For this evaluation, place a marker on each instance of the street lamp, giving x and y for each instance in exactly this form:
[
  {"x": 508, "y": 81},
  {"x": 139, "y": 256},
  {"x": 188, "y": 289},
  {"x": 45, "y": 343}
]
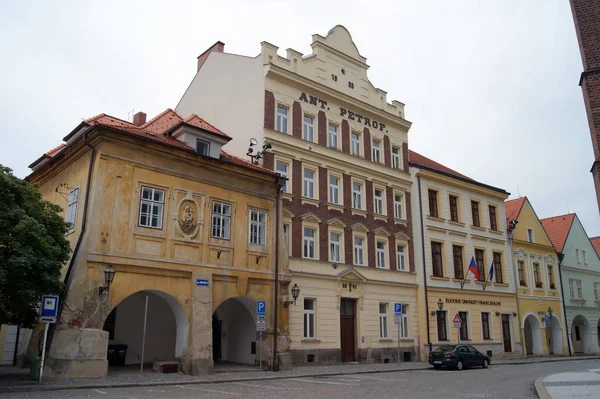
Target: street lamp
[
  {"x": 440, "y": 305},
  {"x": 109, "y": 276},
  {"x": 295, "y": 294},
  {"x": 550, "y": 311}
]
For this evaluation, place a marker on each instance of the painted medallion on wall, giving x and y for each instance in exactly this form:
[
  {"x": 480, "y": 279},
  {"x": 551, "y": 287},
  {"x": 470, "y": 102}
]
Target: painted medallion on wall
[{"x": 188, "y": 218}]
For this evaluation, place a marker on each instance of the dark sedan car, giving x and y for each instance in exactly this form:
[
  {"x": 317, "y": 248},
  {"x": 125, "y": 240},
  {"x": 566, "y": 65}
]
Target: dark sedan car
[{"x": 458, "y": 356}]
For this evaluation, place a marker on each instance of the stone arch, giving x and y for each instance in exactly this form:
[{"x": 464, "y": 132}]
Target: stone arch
[
  {"x": 532, "y": 334},
  {"x": 581, "y": 335},
  {"x": 555, "y": 332},
  {"x": 234, "y": 331}
]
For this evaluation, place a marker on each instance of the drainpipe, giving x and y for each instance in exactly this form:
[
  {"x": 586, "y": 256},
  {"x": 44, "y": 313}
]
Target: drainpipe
[
  {"x": 424, "y": 267},
  {"x": 280, "y": 183},
  {"x": 561, "y": 256},
  {"x": 516, "y": 282}
]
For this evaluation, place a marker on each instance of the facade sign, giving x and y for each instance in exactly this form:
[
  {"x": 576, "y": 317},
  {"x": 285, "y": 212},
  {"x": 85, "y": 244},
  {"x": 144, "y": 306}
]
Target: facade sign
[
  {"x": 397, "y": 309},
  {"x": 49, "y": 308},
  {"x": 261, "y": 309},
  {"x": 473, "y": 302},
  {"x": 201, "y": 283}
]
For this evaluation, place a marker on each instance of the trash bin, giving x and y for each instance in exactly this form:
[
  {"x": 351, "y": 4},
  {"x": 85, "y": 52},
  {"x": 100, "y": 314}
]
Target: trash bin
[
  {"x": 116, "y": 355},
  {"x": 489, "y": 353},
  {"x": 34, "y": 367}
]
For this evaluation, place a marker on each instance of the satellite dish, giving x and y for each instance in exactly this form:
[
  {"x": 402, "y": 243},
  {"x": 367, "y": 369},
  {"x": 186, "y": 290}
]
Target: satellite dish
[{"x": 253, "y": 141}]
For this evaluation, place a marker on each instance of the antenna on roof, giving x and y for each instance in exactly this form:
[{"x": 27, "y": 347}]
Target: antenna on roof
[
  {"x": 568, "y": 211},
  {"x": 518, "y": 191},
  {"x": 130, "y": 115}
]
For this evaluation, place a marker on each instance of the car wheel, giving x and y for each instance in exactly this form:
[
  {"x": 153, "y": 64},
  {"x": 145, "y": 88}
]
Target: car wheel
[
  {"x": 437, "y": 367},
  {"x": 459, "y": 365},
  {"x": 485, "y": 364}
]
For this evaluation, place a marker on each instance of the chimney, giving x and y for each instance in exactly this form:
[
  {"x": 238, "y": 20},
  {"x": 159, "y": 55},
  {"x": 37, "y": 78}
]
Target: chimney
[
  {"x": 139, "y": 119},
  {"x": 219, "y": 47}
]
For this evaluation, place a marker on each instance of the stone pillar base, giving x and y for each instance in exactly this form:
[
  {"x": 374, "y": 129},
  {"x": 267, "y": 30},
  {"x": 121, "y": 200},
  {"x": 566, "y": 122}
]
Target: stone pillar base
[
  {"x": 197, "y": 366},
  {"x": 65, "y": 368},
  {"x": 77, "y": 353}
]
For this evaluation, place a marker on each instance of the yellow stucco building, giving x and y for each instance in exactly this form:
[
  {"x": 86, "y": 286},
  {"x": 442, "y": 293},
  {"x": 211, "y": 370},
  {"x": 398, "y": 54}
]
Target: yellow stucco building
[
  {"x": 535, "y": 262},
  {"x": 191, "y": 233}
]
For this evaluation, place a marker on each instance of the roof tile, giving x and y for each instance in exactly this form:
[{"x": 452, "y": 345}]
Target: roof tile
[
  {"x": 195, "y": 120},
  {"x": 162, "y": 122},
  {"x": 596, "y": 244},
  {"x": 558, "y": 228},
  {"x": 513, "y": 208},
  {"x": 418, "y": 159}
]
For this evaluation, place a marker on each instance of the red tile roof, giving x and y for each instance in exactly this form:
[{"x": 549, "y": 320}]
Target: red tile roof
[
  {"x": 558, "y": 228},
  {"x": 596, "y": 244},
  {"x": 243, "y": 162},
  {"x": 418, "y": 159},
  {"x": 163, "y": 121},
  {"x": 513, "y": 208},
  {"x": 195, "y": 120},
  {"x": 55, "y": 150}
]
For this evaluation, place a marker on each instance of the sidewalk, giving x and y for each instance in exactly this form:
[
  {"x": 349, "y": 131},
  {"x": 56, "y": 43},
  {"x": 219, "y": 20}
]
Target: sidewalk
[
  {"x": 573, "y": 384},
  {"x": 16, "y": 380}
]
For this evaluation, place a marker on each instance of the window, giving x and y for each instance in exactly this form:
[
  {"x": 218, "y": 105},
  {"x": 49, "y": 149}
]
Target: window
[
  {"x": 309, "y": 318},
  {"x": 584, "y": 256},
  {"x": 433, "y": 208},
  {"x": 151, "y": 207},
  {"x": 282, "y": 169},
  {"x": 72, "y": 208},
  {"x": 376, "y": 151},
  {"x": 309, "y": 243},
  {"x": 596, "y": 291},
  {"x": 359, "y": 251},
  {"x": 579, "y": 289},
  {"x": 441, "y": 326},
  {"x": 258, "y": 227},
  {"x": 309, "y": 183},
  {"x": 355, "y": 149},
  {"x": 334, "y": 247},
  {"x": 395, "y": 158},
  {"x": 530, "y": 237},
  {"x": 464, "y": 329},
  {"x": 309, "y": 128},
  {"x": 493, "y": 220},
  {"x": 575, "y": 289},
  {"x": 479, "y": 259},
  {"x": 221, "y": 219},
  {"x": 436, "y": 259},
  {"x": 475, "y": 213},
  {"x": 551, "y": 277},
  {"x": 457, "y": 255},
  {"x": 356, "y": 195},
  {"x": 381, "y": 255},
  {"x": 536, "y": 273},
  {"x": 202, "y": 147},
  {"x": 282, "y": 119},
  {"x": 378, "y": 201},
  {"x": 333, "y": 136},
  {"x": 498, "y": 267},
  {"x": 577, "y": 255},
  {"x": 398, "y": 206},
  {"x": 404, "y": 322},
  {"x": 453, "y": 200},
  {"x": 485, "y": 325},
  {"x": 334, "y": 190},
  {"x": 401, "y": 257},
  {"x": 383, "y": 320},
  {"x": 521, "y": 269},
  {"x": 286, "y": 238}
]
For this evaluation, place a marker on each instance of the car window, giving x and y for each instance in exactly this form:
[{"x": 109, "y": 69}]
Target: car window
[
  {"x": 471, "y": 349},
  {"x": 462, "y": 349},
  {"x": 445, "y": 348}
]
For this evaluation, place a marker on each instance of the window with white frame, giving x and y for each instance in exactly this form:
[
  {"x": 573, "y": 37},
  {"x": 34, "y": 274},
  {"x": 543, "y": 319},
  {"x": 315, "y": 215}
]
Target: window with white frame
[
  {"x": 258, "y": 227},
  {"x": 334, "y": 247},
  {"x": 383, "y": 320},
  {"x": 334, "y": 190},
  {"x": 376, "y": 150},
  {"x": 221, "y": 220},
  {"x": 72, "y": 208},
  {"x": 309, "y": 128},
  {"x": 333, "y": 136},
  {"x": 584, "y": 256},
  {"x": 398, "y": 206},
  {"x": 395, "y": 157},
  {"x": 309, "y": 183},
  {"x": 202, "y": 147},
  {"x": 356, "y": 195},
  {"x": 359, "y": 251},
  {"x": 575, "y": 289},
  {"x": 596, "y": 291},
  {"x": 577, "y": 255},
  {"x": 286, "y": 238},
  {"x": 536, "y": 273},
  {"x": 282, "y": 119},
  {"x": 404, "y": 329},
  {"x": 309, "y": 318},
  {"x": 355, "y": 148},
  {"x": 530, "y": 236},
  {"x": 378, "y": 201},
  {"x": 401, "y": 257},
  {"x": 151, "y": 207},
  {"x": 282, "y": 169},
  {"x": 309, "y": 243},
  {"x": 381, "y": 254}
]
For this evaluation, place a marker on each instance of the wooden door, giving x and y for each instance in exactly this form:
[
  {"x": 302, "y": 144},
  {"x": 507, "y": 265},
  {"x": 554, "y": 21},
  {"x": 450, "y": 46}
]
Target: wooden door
[
  {"x": 506, "y": 339},
  {"x": 347, "y": 330}
]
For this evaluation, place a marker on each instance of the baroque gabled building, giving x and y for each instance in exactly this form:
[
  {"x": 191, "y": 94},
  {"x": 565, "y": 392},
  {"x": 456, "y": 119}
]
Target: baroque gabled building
[{"x": 347, "y": 201}]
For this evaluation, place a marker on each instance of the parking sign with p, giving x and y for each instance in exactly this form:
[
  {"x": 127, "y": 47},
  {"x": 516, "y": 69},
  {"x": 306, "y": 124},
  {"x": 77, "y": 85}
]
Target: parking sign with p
[{"x": 261, "y": 309}]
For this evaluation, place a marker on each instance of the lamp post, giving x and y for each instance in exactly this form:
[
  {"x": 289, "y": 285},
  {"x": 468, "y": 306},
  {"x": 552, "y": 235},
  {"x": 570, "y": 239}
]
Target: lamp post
[
  {"x": 295, "y": 294},
  {"x": 549, "y": 331},
  {"x": 109, "y": 276}
]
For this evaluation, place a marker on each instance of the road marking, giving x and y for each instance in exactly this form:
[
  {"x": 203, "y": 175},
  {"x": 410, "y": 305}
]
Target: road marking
[
  {"x": 347, "y": 379},
  {"x": 381, "y": 379},
  {"x": 99, "y": 391},
  {"x": 205, "y": 390},
  {"x": 263, "y": 386},
  {"x": 323, "y": 382}
]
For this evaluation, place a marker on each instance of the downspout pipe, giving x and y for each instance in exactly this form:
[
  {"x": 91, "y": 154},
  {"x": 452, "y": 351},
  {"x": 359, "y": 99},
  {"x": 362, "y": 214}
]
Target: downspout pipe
[
  {"x": 561, "y": 256},
  {"x": 274, "y": 365},
  {"x": 424, "y": 267}
]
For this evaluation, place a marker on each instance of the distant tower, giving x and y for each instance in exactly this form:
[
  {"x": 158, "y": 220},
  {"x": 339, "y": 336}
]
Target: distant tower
[{"x": 586, "y": 14}]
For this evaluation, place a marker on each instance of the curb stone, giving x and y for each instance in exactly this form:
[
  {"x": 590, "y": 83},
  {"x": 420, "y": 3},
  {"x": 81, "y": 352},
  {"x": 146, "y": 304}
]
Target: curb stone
[{"x": 541, "y": 389}]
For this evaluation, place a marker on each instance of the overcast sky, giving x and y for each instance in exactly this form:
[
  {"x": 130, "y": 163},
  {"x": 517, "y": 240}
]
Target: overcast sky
[{"x": 490, "y": 86}]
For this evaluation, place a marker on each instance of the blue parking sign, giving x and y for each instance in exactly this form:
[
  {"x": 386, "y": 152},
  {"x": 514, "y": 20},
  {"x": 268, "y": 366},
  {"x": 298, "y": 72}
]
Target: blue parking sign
[
  {"x": 397, "y": 308},
  {"x": 261, "y": 309}
]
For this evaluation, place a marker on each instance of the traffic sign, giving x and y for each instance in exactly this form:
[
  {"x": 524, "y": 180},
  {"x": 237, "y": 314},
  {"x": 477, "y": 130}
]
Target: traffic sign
[
  {"x": 457, "y": 318},
  {"x": 49, "y": 308},
  {"x": 547, "y": 320},
  {"x": 397, "y": 308},
  {"x": 261, "y": 309},
  {"x": 457, "y": 325},
  {"x": 261, "y": 325},
  {"x": 397, "y": 319}
]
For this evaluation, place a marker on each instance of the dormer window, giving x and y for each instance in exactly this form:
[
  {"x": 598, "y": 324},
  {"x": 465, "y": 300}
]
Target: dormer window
[{"x": 202, "y": 147}]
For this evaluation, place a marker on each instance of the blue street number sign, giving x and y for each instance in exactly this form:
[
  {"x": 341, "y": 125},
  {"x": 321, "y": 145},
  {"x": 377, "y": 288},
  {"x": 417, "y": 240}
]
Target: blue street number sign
[
  {"x": 201, "y": 283},
  {"x": 261, "y": 309},
  {"x": 49, "y": 308},
  {"x": 397, "y": 308}
]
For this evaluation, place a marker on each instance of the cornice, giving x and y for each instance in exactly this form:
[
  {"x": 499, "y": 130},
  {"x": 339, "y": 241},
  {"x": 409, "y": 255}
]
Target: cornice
[{"x": 472, "y": 187}]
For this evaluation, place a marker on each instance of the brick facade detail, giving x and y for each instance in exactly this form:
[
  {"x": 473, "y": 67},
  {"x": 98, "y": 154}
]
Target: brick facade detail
[
  {"x": 297, "y": 120},
  {"x": 269, "y": 110},
  {"x": 322, "y": 128}
]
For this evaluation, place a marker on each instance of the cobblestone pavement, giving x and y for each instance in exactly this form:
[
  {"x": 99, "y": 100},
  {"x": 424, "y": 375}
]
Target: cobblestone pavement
[
  {"x": 574, "y": 384},
  {"x": 499, "y": 381}
]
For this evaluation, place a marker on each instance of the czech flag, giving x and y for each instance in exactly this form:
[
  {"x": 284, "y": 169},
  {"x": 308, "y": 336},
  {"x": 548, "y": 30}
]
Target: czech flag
[
  {"x": 473, "y": 269},
  {"x": 491, "y": 271}
]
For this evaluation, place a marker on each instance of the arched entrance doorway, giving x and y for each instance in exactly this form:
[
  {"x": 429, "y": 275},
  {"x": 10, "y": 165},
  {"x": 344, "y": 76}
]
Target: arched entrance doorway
[
  {"x": 167, "y": 327},
  {"x": 533, "y": 335},
  {"x": 555, "y": 334},
  {"x": 581, "y": 335},
  {"x": 234, "y": 331}
]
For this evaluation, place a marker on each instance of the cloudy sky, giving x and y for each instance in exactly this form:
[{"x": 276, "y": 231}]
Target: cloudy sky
[{"x": 491, "y": 87}]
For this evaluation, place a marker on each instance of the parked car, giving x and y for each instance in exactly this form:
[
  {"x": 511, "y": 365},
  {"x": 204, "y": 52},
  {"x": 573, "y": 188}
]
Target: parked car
[{"x": 458, "y": 356}]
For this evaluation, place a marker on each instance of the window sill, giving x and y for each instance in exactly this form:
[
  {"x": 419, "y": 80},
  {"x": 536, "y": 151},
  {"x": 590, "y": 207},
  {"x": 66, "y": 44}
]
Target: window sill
[
  {"x": 403, "y": 222},
  {"x": 478, "y": 228},
  {"x": 254, "y": 249},
  {"x": 439, "y": 278},
  {"x": 461, "y": 280},
  {"x": 498, "y": 232},
  {"x": 359, "y": 212},
  {"x": 287, "y": 195},
  {"x": 386, "y": 340},
  {"x": 380, "y": 216},
  {"x": 501, "y": 284},
  {"x": 335, "y": 207},
  {"x": 435, "y": 218},
  {"x": 452, "y": 222},
  {"x": 310, "y": 201},
  {"x": 578, "y": 300},
  {"x": 407, "y": 339},
  {"x": 482, "y": 282},
  {"x": 308, "y": 340}
]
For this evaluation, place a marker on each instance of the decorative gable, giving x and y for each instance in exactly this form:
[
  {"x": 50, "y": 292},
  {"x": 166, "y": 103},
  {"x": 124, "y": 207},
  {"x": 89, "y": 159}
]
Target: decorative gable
[
  {"x": 352, "y": 275},
  {"x": 310, "y": 217},
  {"x": 336, "y": 222},
  {"x": 359, "y": 227}
]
